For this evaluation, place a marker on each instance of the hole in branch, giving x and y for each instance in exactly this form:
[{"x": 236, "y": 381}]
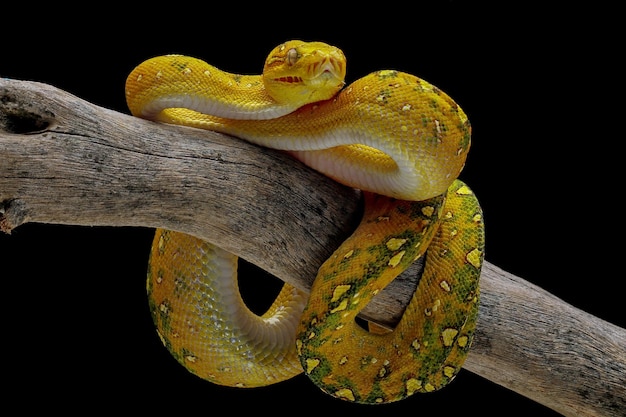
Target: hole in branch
[{"x": 23, "y": 123}]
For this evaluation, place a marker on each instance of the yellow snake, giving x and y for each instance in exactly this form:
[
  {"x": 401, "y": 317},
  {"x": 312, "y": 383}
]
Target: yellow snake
[{"x": 391, "y": 134}]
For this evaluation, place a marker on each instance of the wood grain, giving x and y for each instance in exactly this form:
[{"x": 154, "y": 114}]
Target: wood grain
[{"x": 66, "y": 161}]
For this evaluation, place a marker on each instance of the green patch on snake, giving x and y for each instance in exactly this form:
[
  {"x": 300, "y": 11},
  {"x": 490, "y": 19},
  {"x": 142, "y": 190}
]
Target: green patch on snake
[
  {"x": 342, "y": 384},
  {"x": 429, "y": 350},
  {"x": 417, "y": 211},
  {"x": 431, "y": 363},
  {"x": 383, "y": 96},
  {"x": 185, "y": 357},
  {"x": 434, "y": 104},
  {"x": 161, "y": 316},
  {"x": 162, "y": 312},
  {"x": 408, "y": 238},
  {"x": 370, "y": 271},
  {"x": 425, "y": 120},
  {"x": 181, "y": 285},
  {"x": 366, "y": 361},
  {"x": 386, "y": 74},
  {"x": 315, "y": 336},
  {"x": 341, "y": 264},
  {"x": 149, "y": 283},
  {"x": 320, "y": 371},
  {"x": 180, "y": 66},
  {"x": 376, "y": 394},
  {"x": 466, "y": 138},
  {"x": 465, "y": 290}
]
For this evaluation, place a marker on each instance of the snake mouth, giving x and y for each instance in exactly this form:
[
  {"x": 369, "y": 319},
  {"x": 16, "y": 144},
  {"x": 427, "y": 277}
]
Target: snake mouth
[
  {"x": 289, "y": 79},
  {"x": 318, "y": 73},
  {"x": 327, "y": 70}
]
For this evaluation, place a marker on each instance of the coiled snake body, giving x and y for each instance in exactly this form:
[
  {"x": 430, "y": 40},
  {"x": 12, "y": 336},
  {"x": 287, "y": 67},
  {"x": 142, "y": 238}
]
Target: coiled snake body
[{"x": 394, "y": 136}]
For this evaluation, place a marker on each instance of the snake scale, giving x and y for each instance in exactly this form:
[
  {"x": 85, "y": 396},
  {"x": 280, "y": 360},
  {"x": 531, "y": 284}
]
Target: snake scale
[{"x": 400, "y": 140}]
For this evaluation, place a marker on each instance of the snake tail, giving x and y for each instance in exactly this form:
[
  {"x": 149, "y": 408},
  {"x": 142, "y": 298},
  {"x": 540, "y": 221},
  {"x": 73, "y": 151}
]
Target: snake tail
[{"x": 427, "y": 348}]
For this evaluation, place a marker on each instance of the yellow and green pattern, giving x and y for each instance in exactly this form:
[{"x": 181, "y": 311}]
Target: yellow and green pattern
[{"x": 391, "y": 134}]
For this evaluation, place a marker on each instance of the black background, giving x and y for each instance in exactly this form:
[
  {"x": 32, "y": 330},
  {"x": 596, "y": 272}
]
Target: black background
[{"x": 540, "y": 88}]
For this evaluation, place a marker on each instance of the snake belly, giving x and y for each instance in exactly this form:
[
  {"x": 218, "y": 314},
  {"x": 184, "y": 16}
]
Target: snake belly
[{"x": 391, "y": 134}]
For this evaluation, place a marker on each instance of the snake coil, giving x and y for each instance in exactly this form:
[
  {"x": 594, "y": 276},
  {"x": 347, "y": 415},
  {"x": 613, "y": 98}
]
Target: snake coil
[{"x": 393, "y": 135}]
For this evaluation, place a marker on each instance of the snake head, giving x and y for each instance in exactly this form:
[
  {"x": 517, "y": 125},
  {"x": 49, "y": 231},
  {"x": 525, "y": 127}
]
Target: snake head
[{"x": 304, "y": 72}]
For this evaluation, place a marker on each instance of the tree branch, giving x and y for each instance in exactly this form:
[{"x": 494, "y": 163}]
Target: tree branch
[{"x": 66, "y": 161}]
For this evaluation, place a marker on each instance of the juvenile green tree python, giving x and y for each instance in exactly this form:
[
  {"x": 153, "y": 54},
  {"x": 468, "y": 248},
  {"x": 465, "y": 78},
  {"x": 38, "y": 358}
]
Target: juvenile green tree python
[{"x": 393, "y": 135}]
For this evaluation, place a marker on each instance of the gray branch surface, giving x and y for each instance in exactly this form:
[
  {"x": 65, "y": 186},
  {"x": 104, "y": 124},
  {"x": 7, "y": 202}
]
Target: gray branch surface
[{"x": 66, "y": 161}]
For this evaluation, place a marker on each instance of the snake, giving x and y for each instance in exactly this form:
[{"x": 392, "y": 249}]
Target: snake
[{"x": 395, "y": 137}]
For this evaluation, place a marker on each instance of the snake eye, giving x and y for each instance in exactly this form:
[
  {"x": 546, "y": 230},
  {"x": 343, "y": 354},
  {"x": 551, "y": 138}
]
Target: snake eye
[{"x": 292, "y": 56}]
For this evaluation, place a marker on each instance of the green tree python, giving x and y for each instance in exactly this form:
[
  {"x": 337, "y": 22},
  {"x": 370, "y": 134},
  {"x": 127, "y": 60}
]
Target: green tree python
[{"x": 400, "y": 140}]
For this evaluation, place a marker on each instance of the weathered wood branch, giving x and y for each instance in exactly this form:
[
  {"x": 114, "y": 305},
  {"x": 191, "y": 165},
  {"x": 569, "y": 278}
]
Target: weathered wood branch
[{"x": 66, "y": 161}]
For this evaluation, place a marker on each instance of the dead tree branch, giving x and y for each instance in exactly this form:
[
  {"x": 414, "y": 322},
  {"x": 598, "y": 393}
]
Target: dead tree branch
[{"x": 66, "y": 161}]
